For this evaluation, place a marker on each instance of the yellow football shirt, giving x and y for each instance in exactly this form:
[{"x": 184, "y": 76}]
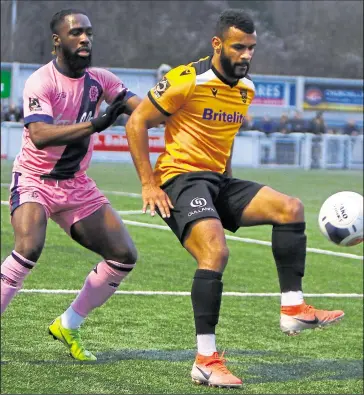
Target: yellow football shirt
[{"x": 204, "y": 114}]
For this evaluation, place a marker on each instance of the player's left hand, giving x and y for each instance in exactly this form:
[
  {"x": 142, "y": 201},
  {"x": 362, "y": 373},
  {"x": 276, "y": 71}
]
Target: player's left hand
[{"x": 112, "y": 112}]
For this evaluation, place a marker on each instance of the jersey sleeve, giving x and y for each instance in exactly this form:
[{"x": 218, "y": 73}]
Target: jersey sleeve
[
  {"x": 37, "y": 104},
  {"x": 173, "y": 90},
  {"x": 112, "y": 85}
]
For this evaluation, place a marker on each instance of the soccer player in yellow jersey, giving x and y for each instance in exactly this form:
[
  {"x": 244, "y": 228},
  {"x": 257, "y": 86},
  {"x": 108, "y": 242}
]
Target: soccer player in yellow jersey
[{"x": 203, "y": 105}]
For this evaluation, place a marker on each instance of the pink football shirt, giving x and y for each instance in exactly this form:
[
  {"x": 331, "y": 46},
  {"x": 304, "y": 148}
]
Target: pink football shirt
[{"x": 51, "y": 97}]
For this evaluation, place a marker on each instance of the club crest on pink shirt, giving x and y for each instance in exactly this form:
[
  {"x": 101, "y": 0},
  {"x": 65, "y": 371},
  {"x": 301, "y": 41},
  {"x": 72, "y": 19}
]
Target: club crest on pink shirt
[{"x": 94, "y": 93}]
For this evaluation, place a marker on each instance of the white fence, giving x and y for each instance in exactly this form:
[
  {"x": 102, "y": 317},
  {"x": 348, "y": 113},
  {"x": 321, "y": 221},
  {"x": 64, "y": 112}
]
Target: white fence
[
  {"x": 251, "y": 149},
  {"x": 299, "y": 150}
]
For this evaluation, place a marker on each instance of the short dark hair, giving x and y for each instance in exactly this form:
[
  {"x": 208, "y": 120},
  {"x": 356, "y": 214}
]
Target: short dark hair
[
  {"x": 59, "y": 17},
  {"x": 237, "y": 18}
]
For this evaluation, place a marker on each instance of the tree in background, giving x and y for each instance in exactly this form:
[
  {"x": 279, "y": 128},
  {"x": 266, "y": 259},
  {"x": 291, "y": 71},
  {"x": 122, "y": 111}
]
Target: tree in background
[{"x": 311, "y": 38}]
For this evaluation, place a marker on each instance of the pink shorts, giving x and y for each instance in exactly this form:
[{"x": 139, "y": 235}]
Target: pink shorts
[{"x": 64, "y": 201}]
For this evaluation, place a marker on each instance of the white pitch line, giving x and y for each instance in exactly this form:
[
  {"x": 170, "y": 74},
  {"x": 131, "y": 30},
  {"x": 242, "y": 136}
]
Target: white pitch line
[
  {"x": 127, "y": 212},
  {"x": 129, "y": 194},
  {"x": 146, "y": 225},
  {"x": 182, "y": 293},
  {"x": 118, "y": 193},
  {"x": 130, "y": 212},
  {"x": 251, "y": 241},
  {"x": 229, "y": 237}
]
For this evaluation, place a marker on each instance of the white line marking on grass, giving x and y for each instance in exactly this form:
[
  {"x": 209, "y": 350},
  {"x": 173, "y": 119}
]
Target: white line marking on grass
[
  {"x": 182, "y": 293},
  {"x": 251, "y": 241},
  {"x": 129, "y": 194},
  {"x": 118, "y": 193},
  {"x": 229, "y": 237},
  {"x": 146, "y": 225},
  {"x": 130, "y": 212},
  {"x": 127, "y": 212}
]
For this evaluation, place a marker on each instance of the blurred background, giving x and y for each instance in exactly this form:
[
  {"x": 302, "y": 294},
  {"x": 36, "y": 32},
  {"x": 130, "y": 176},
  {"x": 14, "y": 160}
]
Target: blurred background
[
  {"x": 311, "y": 38},
  {"x": 307, "y": 68}
]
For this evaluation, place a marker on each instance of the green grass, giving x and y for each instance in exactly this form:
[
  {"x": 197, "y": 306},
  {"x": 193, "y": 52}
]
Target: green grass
[{"x": 146, "y": 344}]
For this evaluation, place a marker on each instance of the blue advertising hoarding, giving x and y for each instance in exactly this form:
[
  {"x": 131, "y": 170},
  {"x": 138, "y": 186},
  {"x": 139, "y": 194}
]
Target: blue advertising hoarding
[
  {"x": 274, "y": 93},
  {"x": 331, "y": 97}
]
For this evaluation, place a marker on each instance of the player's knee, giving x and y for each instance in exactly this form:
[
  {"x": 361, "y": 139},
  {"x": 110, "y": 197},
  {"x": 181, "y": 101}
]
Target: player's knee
[
  {"x": 126, "y": 254},
  {"x": 131, "y": 255},
  {"x": 222, "y": 254},
  {"x": 28, "y": 249},
  {"x": 293, "y": 211},
  {"x": 215, "y": 258}
]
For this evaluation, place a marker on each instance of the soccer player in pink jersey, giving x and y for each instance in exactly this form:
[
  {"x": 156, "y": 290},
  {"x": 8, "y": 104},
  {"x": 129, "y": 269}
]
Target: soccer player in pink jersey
[{"x": 61, "y": 107}]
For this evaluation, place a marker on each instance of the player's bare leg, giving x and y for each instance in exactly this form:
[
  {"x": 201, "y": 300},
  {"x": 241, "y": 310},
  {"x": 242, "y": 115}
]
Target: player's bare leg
[
  {"x": 103, "y": 233},
  {"x": 286, "y": 214},
  {"x": 206, "y": 242},
  {"x": 29, "y": 222}
]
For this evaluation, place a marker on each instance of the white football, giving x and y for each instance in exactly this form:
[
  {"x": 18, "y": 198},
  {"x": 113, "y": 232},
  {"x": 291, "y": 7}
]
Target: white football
[{"x": 341, "y": 218}]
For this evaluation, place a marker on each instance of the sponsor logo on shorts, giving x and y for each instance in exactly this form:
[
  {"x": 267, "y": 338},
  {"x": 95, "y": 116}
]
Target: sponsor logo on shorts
[
  {"x": 199, "y": 204},
  {"x": 34, "y": 195},
  {"x": 200, "y": 210}
]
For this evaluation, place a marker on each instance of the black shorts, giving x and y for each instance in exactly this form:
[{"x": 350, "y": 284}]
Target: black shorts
[{"x": 206, "y": 194}]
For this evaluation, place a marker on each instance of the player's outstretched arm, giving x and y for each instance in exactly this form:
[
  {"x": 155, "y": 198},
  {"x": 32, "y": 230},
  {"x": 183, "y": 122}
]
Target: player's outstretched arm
[
  {"x": 132, "y": 104},
  {"x": 45, "y": 135},
  {"x": 146, "y": 116}
]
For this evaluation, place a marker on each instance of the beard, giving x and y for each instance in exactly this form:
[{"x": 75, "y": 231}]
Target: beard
[
  {"x": 75, "y": 62},
  {"x": 230, "y": 69}
]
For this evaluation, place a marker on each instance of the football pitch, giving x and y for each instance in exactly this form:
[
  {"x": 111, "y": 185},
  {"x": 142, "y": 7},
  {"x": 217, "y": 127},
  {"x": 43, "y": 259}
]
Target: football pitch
[{"x": 144, "y": 335}]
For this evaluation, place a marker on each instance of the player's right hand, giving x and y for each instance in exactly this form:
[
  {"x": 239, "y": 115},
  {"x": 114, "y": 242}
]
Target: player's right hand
[{"x": 153, "y": 196}]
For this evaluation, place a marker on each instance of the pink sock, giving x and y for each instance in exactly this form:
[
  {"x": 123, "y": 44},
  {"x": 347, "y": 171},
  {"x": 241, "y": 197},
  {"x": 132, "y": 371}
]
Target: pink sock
[
  {"x": 100, "y": 284},
  {"x": 13, "y": 272}
]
